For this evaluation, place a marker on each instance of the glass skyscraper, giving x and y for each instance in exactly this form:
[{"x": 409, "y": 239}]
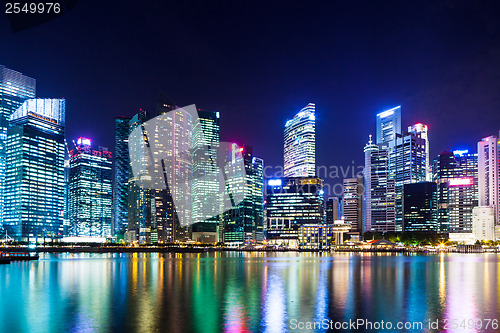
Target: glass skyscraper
[
  {"x": 34, "y": 182},
  {"x": 388, "y": 125},
  {"x": 15, "y": 88},
  {"x": 456, "y": 176},
  {"x": 290, "y": 203},
  {"x": 244, "y": 222},
  {"x": 205, "y": 183},
  {"x": 300, "y": 144},
  {"x": 90, "y": 190},
  {"x": 121, "y": 165}
]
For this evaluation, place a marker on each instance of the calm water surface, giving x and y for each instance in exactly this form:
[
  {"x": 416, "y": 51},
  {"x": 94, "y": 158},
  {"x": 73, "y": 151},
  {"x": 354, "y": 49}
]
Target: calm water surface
[{"x": 244, "y": 292}]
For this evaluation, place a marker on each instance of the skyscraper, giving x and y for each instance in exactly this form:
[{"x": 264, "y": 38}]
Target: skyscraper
[
  {"x": 299, "y": 144},
  {"x": 90, "y": 190},
  {"x": 333, "y": 209},
  {"x": 205, "y": 184},
  {"x": 388, "y": 125},
  {"x": 488, "y": 173},
  {"x": 244, "y": 222},
  {"x": 290, "y": 203},
  {"x": 407, "y": 164},
  {"x": 418, "y": 207},
  {"x": 121, "y": 166},
  {"x": 379, "y": 199},
  {"x": 353, "y": 204},
  {"x": 15, "y": 88},
  {"x": 457, "y": 192},
  {"x": 34, "y": 182},
  {"x": 422, "y": 130}
]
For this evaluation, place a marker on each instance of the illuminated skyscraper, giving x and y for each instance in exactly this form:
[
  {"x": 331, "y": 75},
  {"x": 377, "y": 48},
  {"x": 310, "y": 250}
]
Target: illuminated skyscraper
[
  {"x": 140, "y": 200},
  {"x": 90, "y": 190},
  {"x": 353, "y": 204},
  {"x": 407, "y": 164},
  {"x": 456, "y": 176},
  {"x": 15, "y": 88},
  {"x": 34, "y": 182},
  {"x": 388, "y": 125},
  {"x": 379, "y": 199},
  {"x": 290, "y": 203},
  {"x": 423, "y": 131},
  {"x": 121, "y": 165},
  {"x": 489, "y": 174},
  {"x": 244, "y": 222},
  {"x": 205, "y": 184},
  {"x": 299, "y": 144}
]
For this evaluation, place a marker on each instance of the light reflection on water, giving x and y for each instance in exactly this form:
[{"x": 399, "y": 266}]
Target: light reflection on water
[{"x": 242, "y": 292}]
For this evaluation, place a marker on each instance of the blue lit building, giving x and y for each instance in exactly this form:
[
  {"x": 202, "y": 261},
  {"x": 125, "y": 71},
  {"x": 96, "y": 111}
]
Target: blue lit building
[
  {"x": 121, "y": 166},
  {"x": 34, "y": 182},
  {"x": 300, "y": 144},
  {"x": 15, "y": 88},
  {"x": 388, "y": 125},
  {"x": 90, "y": 190}
]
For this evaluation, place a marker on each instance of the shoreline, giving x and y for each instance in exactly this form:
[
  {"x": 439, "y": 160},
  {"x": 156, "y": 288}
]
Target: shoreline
[{"x": 110, "y": 249}]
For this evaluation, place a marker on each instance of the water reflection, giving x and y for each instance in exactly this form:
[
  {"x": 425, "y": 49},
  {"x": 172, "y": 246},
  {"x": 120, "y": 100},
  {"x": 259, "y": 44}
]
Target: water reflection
[{"x": 242, "y": 292}]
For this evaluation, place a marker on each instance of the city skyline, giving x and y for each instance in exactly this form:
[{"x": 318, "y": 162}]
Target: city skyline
[{"x": 434, "y": 74}]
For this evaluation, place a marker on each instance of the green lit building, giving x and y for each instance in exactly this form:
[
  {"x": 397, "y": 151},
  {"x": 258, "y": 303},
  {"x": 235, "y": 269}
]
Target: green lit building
[
  {"x": 34, "y": 182},
  {"x": 90, "y": 190},
  {"x": 205, "y": 183}
]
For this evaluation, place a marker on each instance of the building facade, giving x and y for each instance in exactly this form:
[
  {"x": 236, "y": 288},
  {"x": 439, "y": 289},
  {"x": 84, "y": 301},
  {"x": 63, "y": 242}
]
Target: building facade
[
  {"x": 90, "y": 190},
  {"x": 290, "y": 203},
  {"x": 205, "y": 184},
  {"x": 244, "y": 222},
  {"x": 15, "y": 88},
  {"x": 488, "y": 174},
  {"x": 353, "y": 204},
  {"x": 34, "y": 182},
  {"x": 300, "y": 144},
  {"x": 419, "y": 207},
  {"x": 121, "y": 166}
]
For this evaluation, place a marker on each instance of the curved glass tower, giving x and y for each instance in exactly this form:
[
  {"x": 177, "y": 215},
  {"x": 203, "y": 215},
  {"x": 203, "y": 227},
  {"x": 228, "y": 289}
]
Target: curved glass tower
[{"x": 300, "y": 144}]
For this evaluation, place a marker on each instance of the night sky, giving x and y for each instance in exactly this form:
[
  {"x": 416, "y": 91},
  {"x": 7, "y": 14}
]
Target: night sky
[{"x": 258, "y": 63}]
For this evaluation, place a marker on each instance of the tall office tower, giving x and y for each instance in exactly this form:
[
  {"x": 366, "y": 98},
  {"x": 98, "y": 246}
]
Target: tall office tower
[
  {"x": 407, "y": 164},
  {"x": 141, "y": 203},
  {"x": 456, "y": 176},
  {"x": 488, "y": 172},
  {"x": 444, "y": 168},
  {"x": 300, "y": 144},
  {"x": 34, "y": 182},
  {"x": 15, "y": 88},
  {"x": 388, "y": 125},
  {"x": 333, "y": 210},
  {"x": 423, "y": 131},
  {"x": 205, "y": 183},
  {"x": 244, "y": 222},
  {"x": 90, "y": 190},
  {"x": 121, "y": 165},
  {"x": 379, "y": 199},
  {"x": 353, "y": 204},
  {"x": 418, "y": 207},
  {"x": 290, "y": 203}
]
